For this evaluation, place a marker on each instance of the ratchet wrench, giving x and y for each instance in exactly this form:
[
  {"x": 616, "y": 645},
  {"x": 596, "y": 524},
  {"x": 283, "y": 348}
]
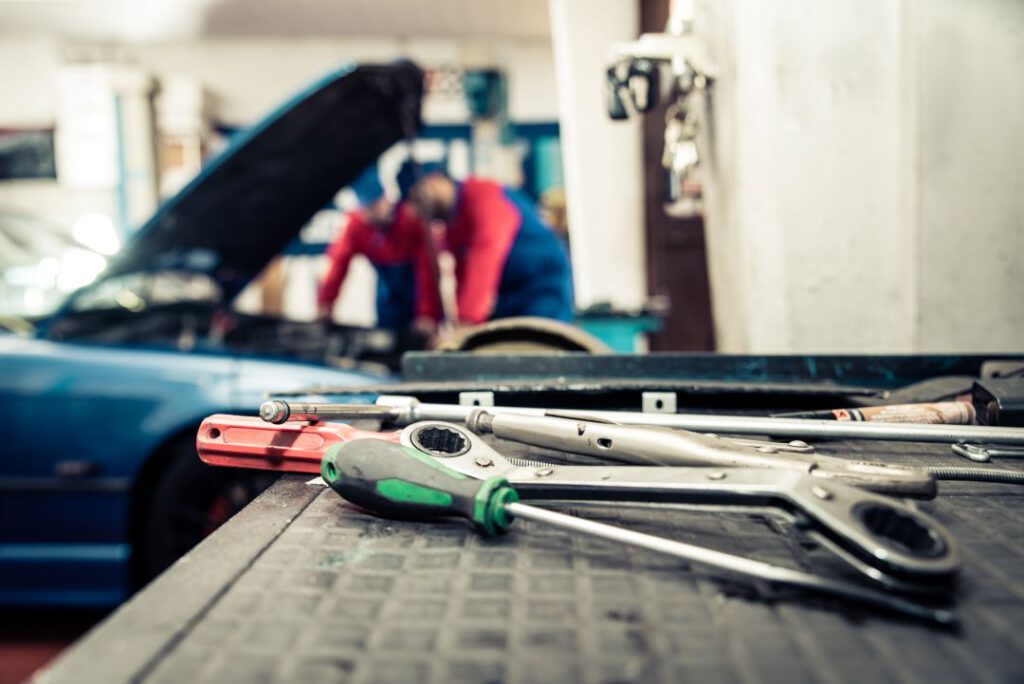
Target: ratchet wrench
[{"x": 885, "y": 539}]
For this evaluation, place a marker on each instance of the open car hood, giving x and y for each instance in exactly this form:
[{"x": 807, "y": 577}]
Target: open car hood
[{"x": 248, "y": 203}]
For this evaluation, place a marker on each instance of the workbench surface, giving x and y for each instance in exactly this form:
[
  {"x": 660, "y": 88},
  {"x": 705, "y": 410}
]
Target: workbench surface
[{"x": 303, "y": 587}]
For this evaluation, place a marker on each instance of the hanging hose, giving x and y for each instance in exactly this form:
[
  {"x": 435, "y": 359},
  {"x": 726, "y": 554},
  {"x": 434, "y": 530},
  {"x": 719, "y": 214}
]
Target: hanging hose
[{"x": 960, "y": 474}]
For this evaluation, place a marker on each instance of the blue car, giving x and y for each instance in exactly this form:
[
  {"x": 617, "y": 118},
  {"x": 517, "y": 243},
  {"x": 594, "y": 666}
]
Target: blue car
[{"x": 100, "y": 487}]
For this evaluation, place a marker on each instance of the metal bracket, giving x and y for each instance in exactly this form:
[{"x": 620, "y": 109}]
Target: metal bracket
[
  {"x": 983, "y": 453},
  {"x": 476, "y": 398},
  {"x": 659, "y": 402},
  {"x": 667, "y": 47}
]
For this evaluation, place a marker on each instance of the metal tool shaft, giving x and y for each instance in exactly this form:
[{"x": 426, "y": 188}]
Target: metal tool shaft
[
  {"x": 737, "y": 425},
  {"x": 278, "y": 411},
  {"x": 730, "y": 563},
  {"x": 407, "y": 410}
]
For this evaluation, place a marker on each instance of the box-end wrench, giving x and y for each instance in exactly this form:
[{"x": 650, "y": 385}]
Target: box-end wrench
[{"x": 887, "y": 540}]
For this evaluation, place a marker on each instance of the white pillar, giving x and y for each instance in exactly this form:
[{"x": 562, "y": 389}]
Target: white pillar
[
  {"x": 807, "y": 246},
  {"x": 864, "y": 184},
  {"x": 602, "y": 158},
  {"x": 105, "y": 136},
  {"x": 970, "y": 186},
  {"x": 136, "y": 128}
]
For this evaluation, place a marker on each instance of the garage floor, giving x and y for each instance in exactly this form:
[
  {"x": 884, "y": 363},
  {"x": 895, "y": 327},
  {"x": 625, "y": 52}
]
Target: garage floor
[{"x": 30, "y": 639}]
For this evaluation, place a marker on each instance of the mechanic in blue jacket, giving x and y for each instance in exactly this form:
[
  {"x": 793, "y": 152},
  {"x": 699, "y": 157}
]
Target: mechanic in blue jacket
[
  {"x": 391, "y": 238},
  {"x": 507, "y": 261}
]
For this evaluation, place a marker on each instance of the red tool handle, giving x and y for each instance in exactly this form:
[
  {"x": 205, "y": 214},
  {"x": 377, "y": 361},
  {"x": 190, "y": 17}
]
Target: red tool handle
[{"x": 298, "y": 447}]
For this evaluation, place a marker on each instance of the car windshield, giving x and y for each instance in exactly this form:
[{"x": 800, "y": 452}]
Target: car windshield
[
  {"x": 42, "y": 264},
  {"x": 140, "y": 291}
]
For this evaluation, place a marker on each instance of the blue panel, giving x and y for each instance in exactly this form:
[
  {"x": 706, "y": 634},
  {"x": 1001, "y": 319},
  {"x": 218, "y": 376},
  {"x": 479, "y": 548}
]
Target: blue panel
[
  {"x": 70, "y": 553},
  {"x": 620, "y": 333},
  {"x": 64, "y": 574},
  {"x": 65, "y": 540}
]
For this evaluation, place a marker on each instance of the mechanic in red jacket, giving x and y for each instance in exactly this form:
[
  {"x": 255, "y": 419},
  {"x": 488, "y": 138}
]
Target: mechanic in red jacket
[
  {"x": 507, "y": 262},
  {"x": 391, "y": 237}
]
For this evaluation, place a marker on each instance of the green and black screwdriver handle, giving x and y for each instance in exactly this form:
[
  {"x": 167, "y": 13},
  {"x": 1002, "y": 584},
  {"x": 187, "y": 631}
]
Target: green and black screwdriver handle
[{"x": 400, "y": 482}]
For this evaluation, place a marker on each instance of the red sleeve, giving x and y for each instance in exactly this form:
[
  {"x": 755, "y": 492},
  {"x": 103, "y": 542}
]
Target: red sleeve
[
  {"x": 339, "y": 256},
  {"x": 491, "y": 223}
]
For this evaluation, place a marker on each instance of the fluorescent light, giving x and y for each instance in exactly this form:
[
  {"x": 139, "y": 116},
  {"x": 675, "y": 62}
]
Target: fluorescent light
[
  {"x": 96, "y": 231},
  {"x": 79, "y": 267}
]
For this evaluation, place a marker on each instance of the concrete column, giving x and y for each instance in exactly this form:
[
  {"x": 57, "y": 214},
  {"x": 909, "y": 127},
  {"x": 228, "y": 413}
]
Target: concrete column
[
  {"x": 807, "y": 243},
  {"x": 864, "y": 185},
  {"x": 602, "y": 158},
  {"x": 970, "y": 195},
  {"x": 136, "y": 127},
  {"x": 105, "y": 136}
]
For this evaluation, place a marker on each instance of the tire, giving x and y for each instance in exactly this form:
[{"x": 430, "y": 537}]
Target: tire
[
  {"x": 187, "y": 502},
  {"x": 525, "y": 334}
]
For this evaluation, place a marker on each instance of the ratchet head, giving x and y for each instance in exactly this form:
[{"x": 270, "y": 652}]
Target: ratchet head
[
  {"x": 457, "y": 448},
  {"x": 887, "y": 539}
]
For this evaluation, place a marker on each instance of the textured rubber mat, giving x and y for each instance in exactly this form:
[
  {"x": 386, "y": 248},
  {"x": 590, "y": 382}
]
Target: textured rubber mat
[{"x": 332, "y": 594}]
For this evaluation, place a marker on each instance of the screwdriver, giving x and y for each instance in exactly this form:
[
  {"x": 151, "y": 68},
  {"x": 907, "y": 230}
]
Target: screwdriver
[{"x": 401, "y": 482}]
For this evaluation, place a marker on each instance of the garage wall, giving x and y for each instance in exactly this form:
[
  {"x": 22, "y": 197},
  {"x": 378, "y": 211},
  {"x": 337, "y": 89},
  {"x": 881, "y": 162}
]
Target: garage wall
[
  {"x": 864, "y": 191},
  {"x": 602, "y": 158},
  {"x": 803, "y": 199},
  {"x": 970, "y": 71},
  {"x": 246, "y": 77},
  {"x": 28, "y": 68}
]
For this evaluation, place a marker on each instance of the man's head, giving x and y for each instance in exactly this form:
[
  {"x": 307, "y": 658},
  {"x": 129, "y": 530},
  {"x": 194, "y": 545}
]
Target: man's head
[
  {"x": 427, "y": 188},
  {"x": 433, "y": 196},
  {"x": 377, "y": 207},
  {"x": 380, "y": 211}
]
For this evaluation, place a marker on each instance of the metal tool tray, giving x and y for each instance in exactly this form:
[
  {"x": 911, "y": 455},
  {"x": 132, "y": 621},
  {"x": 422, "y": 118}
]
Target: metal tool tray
[
  {"x": 301, "y": 586},
  {"x": 701, "y": 381}
]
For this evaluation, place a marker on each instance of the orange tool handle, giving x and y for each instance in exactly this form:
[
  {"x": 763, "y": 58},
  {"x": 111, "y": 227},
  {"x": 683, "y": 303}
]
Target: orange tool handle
[{"x": 296, "y": 447}]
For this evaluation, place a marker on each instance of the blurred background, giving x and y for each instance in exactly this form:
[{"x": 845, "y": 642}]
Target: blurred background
[
  {"x": 784, "y": 177},
  {"x": 858, "y": 186}
]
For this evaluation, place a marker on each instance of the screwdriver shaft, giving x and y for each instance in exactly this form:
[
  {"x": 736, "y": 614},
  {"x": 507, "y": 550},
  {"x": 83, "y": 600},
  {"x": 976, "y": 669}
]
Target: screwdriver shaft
[{"x": 729, "y": 562}]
